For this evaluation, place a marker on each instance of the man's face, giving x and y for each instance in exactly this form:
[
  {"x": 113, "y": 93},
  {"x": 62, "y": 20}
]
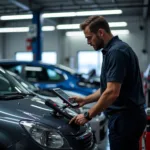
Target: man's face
[{"x": 93, "y": 39}]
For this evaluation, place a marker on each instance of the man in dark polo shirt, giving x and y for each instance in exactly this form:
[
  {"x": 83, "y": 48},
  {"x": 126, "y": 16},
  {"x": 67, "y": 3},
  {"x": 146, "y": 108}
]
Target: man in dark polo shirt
[{"x": 121, "y": 95}]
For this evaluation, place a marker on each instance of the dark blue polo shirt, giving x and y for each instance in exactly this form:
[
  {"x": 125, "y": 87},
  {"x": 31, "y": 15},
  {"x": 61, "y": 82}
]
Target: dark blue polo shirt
[{"x": 120, "y": 64}]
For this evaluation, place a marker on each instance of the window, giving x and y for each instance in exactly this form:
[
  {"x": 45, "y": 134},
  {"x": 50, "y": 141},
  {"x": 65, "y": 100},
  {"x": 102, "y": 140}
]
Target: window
[
  {"x": 41, "y": 74},
  {"x": 16, "y": 69},
  {"x": 88, "y": 60},
  {"x": 27, "y": 56},
  {"x": 47, "y": 57}
]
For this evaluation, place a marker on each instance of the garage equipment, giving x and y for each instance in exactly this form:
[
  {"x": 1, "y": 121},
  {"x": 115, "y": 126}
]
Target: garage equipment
[
  {"x": 145, "y": 138},
  {"x": 57, "y": 109}
]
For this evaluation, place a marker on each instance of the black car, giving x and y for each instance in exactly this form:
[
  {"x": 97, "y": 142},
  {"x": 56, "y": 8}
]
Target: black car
[
  {"x": 28, "y": 122},
  {"x": 98, "y": 123}
]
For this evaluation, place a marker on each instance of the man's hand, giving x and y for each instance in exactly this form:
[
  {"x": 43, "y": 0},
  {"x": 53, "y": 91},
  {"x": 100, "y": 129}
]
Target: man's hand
[
  {"x": 79, "y": 120},
  {"x": 80, "y": 100}
]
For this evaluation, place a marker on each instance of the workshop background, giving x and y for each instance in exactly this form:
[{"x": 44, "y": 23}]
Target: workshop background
[
  {"x": 134, "y": 12},
  {"x": 48, "y": 31}
]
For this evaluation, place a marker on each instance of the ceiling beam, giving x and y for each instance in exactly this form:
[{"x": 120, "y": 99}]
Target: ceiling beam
[
  {"x": 19, "y": 4},
  {"x": 62, "y": 7},
  {"x": 145, "y": 9}
]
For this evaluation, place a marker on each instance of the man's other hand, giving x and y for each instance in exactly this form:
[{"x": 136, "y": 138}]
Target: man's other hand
[{"x": 79, "y": 120}]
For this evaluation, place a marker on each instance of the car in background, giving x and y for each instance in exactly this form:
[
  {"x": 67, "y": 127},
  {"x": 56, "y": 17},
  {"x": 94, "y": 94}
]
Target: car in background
[
  {"x": 146, "y": 85},
  {"x": 98, "y": 123},
  {"x": 47, "y": 76},
  {"x": 30, "y": 122},
  {"x": 91, "y": 77}
]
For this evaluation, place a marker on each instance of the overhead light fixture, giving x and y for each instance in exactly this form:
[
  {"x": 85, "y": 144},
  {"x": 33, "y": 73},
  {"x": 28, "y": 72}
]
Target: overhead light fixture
[
  {"x": 118, "y": 24},
  {"x": 101, "y": 12},
  {"x": 17, "y": 17},
  {"x": 52, "y": 28},
  {"x": 80, "y": 33},
  {"x": 68, "y": 26},
  {"x": 48, "y": 28},
  {"x": 77, "y": 26},
  {"x": 14, "y": 29},
  {"x": 24, "y": 29},
  {"x": 74, "y": 33},
  {"x": 63, "y": 14},
  {"x": 82, "y": 13}
]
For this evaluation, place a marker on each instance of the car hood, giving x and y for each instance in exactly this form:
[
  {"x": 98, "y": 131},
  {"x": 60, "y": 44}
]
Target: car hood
[{"x": 34, "y": 109}]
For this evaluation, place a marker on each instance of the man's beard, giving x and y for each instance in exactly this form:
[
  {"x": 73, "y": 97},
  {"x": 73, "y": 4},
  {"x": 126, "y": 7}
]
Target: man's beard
[{"x": 99, "y": 43}]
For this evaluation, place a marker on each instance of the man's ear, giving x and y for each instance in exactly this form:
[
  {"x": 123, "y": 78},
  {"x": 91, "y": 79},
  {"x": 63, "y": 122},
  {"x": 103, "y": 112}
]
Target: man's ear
[{"x": 101, "y": 32}]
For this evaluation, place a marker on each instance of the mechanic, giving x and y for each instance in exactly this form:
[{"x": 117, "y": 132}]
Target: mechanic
[{"x": 121, "y": 94}]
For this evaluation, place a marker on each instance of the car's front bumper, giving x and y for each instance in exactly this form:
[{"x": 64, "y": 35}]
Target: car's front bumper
[
  {"x": 24, "y": 145},
  {"x": 95, "y": 147}
]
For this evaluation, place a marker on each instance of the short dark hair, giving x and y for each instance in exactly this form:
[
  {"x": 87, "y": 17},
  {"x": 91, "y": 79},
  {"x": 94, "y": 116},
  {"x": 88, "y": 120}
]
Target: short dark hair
[{"x": 94, "y": 23}]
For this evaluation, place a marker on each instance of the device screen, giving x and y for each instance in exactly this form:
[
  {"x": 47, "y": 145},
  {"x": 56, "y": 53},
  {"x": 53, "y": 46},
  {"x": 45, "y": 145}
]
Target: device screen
[{"x": 65, "y": 97}]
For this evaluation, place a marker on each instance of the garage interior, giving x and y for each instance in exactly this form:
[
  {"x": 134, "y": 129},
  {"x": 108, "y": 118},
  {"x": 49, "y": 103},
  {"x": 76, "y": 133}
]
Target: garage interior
[{"x": 48, "y": 31}]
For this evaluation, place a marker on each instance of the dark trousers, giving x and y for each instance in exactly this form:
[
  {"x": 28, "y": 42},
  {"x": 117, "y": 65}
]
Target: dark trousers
[{"x": 125, "y": 129}]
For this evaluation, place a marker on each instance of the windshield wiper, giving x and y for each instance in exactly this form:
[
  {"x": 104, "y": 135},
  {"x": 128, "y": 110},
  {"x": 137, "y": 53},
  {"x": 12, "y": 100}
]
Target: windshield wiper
[
  {"x": 16, "y": 95},
  {"x": 11, "y": 97}
]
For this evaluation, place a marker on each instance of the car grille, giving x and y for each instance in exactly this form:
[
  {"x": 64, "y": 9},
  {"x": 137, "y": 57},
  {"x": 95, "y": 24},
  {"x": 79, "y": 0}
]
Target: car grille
[{"x": 85, "y": 140}]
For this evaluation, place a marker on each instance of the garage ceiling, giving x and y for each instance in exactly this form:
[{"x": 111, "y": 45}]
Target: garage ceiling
[{"x": 129, "y": 7}]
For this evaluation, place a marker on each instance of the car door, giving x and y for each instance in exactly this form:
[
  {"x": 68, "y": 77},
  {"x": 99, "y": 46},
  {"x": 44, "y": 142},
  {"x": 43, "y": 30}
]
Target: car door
[{"x": 43, "y": 77}]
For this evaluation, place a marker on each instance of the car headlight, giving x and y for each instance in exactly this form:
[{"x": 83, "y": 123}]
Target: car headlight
[{"x": 45, "y": 136}]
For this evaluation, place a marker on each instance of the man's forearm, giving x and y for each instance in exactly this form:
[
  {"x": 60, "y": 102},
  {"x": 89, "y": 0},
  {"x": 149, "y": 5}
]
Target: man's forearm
[
  {"x": 106, "y": 99},
  {"x": 93, "y": 97}
]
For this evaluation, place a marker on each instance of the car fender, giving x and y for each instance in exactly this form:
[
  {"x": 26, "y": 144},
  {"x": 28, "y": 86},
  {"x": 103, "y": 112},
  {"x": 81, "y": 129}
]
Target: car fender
[{"x": 5, "y": 140}]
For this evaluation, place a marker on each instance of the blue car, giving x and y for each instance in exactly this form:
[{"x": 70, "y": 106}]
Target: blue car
[{"x": 46, "y": 76}]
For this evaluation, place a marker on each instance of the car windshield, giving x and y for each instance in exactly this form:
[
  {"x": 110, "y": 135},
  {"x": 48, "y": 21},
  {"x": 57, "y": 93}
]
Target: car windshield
[
  {"x": 24, "y": 83},
  {"x": 9, "y": 85}
]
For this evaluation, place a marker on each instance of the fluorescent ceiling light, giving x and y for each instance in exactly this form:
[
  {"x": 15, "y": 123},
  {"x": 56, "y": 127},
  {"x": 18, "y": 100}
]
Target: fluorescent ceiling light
[
  {"x": 77, "y": 26},
  {"x": 63, "y": 14},
  {"x": 14, "y": 29},
  {"x": 74, "y": 33},
  {"x": 16, "y": 17},
  {"x": 80, "y": 33},
  {"x": 118, "y": 24},
  {"x": 24, "y": 29},
  {"x": 101, "y": 12},
  {"x": 82, "y": 13},
  {"x": 68, "y": 26},
  {"x": 48, "y": 28}
]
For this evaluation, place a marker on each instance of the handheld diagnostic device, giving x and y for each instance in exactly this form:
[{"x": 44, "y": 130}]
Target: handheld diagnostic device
[{"x": 60, "y": 93}]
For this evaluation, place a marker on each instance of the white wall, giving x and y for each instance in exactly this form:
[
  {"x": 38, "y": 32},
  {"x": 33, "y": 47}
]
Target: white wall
[
  {"x": 14, "y": 42},
  {"x": 148, "y": 41},
  {"x": 50, "y": 41},
  {"x": 17, "y": 42},
  {"x": 67, "y": 47}
]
